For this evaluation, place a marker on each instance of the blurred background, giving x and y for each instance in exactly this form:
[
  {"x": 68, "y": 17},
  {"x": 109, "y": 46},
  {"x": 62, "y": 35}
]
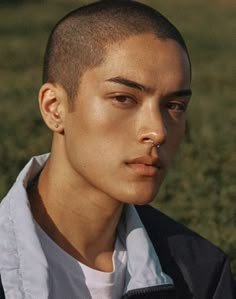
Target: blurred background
[{"x": 200, "y": 190}]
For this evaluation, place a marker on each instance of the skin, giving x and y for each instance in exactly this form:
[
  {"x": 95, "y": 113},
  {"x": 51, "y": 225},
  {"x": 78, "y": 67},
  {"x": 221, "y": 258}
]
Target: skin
[{"x": 102, "y": 152}]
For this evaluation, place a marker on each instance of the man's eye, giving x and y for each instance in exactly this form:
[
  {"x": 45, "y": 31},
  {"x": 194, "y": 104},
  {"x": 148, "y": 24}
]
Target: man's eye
[
  {"x": 123, "y": 99},
  {"x": 177, "y": 107}
]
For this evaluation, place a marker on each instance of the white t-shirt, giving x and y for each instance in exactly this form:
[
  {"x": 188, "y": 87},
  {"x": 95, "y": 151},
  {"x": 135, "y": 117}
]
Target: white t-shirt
[{"x": 71, "y": 279}]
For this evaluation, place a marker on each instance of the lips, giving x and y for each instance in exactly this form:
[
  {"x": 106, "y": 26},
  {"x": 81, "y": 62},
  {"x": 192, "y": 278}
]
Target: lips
[{"x": 145, "y": 166}]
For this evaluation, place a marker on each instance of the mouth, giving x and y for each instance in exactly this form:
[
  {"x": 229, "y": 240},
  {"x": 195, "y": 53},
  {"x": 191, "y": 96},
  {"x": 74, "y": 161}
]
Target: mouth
[{"x": 145, "y": 166}]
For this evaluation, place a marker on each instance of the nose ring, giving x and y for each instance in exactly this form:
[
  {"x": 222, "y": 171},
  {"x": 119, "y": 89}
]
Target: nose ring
[{"x": 158, "y": 145}]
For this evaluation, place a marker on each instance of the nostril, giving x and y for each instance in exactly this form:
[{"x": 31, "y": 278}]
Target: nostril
[
  {"x": 153, "y": 137},
  {"x": 147, "y": 140}
]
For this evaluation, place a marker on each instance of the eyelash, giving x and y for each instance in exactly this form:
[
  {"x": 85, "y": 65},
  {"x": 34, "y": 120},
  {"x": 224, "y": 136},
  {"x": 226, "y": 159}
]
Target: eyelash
[
  {"x": 124, "y": 99},
  {"x": 181, "y": 107}
]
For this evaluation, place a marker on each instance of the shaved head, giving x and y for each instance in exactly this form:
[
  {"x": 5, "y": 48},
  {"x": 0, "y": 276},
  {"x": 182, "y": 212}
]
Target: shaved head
[{"x": 79, "y": 41}]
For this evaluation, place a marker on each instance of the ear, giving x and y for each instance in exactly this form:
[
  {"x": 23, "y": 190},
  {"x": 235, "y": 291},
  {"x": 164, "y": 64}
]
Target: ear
[{"x": 53, "y": 106}]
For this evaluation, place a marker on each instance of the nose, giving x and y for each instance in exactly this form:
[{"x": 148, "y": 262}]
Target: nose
[{"x": 153, "y": 129}]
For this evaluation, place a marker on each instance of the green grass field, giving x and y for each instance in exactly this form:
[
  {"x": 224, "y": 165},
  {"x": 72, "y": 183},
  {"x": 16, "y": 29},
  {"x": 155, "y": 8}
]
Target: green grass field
[{"x": 200, "y": 190}]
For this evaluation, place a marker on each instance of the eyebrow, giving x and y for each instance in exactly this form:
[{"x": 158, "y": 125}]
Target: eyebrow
[
  {"x": 129, "y": 83},
  {"x": 180, "y": 93},
  {"x": 136, "y": 85}
]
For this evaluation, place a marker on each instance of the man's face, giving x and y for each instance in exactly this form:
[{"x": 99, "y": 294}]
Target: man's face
[{"x": 137, "y": 97}]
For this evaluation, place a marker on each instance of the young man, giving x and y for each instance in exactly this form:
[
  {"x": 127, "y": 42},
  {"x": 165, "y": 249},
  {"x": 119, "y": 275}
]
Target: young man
[{"x": 75, "y": 224}]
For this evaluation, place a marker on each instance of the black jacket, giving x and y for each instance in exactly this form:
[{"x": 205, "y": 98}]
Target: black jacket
[{"x": 199, "y": 269}]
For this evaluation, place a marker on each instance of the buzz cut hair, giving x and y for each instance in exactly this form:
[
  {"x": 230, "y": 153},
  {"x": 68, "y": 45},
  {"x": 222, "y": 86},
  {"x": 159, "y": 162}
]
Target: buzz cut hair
[{"x": 79, "y": 41}]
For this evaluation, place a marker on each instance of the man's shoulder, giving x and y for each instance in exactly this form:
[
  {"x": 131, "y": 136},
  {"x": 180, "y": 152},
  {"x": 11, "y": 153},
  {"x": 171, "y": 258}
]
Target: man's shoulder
[
  {"x": 167, "y": 232},
  {"x": 173, "y": 239},
  {"x": 196, "y": 265}
]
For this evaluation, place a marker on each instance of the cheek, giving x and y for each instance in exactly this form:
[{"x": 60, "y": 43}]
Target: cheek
[
  {"x": 94, "y": 134},
  {"x": 175, "y": 134},
  {"x": 103, "y": 126},
  {"x": 175, "y": 128},
  {"x": 98, "y": 117}
]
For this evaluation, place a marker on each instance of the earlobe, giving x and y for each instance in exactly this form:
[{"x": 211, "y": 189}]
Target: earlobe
[{"x": 51, "y": 103}]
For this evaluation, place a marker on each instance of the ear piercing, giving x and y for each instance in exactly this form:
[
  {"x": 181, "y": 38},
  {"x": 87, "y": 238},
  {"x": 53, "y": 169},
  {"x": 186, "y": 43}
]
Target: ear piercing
[{"x": 56, "y": 126}]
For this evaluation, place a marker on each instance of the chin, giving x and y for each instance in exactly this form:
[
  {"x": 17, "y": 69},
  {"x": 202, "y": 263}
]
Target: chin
[
  {"x": 147, "y": 194},
  {"x": 141, "y": 198},
  {"x": 144, "y": 201}
]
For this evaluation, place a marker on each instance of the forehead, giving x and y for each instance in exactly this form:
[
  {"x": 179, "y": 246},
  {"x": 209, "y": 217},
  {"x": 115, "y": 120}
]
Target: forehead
[
  {"x": 147, "y": 53},
  {"x": 146, "y": 59}
]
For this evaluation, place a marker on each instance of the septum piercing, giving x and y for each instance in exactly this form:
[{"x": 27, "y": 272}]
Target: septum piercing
[{"x": 156, "y": 145}]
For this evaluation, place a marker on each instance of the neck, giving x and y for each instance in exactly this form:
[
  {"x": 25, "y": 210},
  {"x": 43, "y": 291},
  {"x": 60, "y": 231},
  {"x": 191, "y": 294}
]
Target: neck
[{"x": 82, "y": 223}]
